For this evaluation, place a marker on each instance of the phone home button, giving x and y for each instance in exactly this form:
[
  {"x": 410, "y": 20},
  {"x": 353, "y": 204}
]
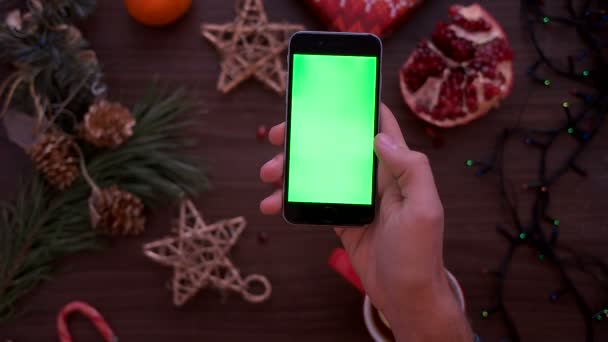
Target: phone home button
[{"x": 328, "y": 214}]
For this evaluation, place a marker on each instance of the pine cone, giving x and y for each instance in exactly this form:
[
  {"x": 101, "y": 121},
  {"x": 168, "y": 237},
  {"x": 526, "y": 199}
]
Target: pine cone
[
  {"x": 54, "y": 155},
  {"x": 107, "y": 124},
  {"x": 14, "y": 20},
  {"x": 116, "y": 212}
]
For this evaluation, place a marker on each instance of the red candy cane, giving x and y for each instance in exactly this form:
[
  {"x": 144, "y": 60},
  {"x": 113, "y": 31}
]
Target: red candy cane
[{"x": 89, "y": 312}]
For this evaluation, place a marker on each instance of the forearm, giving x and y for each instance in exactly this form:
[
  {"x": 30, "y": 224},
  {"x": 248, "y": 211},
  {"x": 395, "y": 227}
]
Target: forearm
[{"x": 435, "y": 326}]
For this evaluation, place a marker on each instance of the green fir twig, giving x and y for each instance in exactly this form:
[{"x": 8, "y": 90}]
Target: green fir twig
[{"x": 41, "y": 225}]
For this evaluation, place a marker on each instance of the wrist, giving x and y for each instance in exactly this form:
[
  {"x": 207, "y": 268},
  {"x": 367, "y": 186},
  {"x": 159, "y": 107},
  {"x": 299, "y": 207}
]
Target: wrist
[{"x": 430, "y": 313}]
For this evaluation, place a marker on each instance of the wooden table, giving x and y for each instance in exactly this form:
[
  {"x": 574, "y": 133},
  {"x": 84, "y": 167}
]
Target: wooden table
[{"x": 310, "y": 302}]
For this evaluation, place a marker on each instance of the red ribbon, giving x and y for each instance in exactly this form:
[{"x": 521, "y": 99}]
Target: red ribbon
[
  {"x": 89, "y": 312},
  {"x": 339, "y": 261}
]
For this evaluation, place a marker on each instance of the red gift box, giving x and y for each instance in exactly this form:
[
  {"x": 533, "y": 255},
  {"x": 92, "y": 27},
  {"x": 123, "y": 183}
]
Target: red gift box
[{"x": 379, "y": 17}]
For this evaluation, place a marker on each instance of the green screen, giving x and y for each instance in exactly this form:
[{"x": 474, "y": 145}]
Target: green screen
[{"x": 331, "y": 151}]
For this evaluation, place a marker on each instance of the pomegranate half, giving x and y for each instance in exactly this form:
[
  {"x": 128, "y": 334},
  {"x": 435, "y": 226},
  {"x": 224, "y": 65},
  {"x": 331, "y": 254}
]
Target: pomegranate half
[{"x": 465, "y": 70}]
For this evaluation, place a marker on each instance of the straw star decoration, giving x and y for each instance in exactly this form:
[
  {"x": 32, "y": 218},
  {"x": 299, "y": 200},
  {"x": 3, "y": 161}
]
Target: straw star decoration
[
  {"x": 250, "y": 46},
  {"x": 199, "y": 256}
]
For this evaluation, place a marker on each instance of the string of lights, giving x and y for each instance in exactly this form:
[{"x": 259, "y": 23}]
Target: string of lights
[{"x": 589, "y": 20}]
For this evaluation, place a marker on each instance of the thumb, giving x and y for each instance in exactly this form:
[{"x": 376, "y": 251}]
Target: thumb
[{"x": 411, "y": 169}]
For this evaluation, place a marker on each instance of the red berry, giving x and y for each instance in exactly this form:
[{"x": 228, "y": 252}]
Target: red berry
[
  {"x": 261, "y": 133},
  {"x": 263, "y": 237}
]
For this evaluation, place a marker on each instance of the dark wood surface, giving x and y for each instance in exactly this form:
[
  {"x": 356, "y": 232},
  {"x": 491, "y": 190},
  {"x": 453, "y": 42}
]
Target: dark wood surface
[{"x": 310, "y": 302}]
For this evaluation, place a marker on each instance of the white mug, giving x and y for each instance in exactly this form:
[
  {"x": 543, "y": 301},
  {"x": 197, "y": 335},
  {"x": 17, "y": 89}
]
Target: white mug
[{"x": 377, "y": 325}]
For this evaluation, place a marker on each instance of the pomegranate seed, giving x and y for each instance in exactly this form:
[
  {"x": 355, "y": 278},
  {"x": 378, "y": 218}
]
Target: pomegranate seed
[
  {"x": 425, "y": 63},
  {"x": 472, "y": 105},
  {"x": 457, "y": 76},
  {"x": 488, "y": 72},
  {"x": 496, "y": 50},
  {"x": 454, "y": 10},
  {"x": 490, "y": 91},
  {"x": 471, "y": 98},
  {"x": 449, "y": 104},
  {"x": 438, "y": 113},
  {"x": 261, "y": 133},
  {"x": 457, "y": 113},
  {"x": 456, "y": 48},
  {"x": 479, "y": 25}
]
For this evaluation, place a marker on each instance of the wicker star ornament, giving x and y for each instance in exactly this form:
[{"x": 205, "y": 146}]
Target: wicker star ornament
[
  {"x": 251, "y": 46},
  {"x": 199, "y": 256}
]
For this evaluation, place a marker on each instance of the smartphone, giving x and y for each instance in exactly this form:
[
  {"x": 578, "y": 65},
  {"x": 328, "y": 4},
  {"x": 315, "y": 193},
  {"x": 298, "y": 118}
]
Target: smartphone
[{"x": 333, "y": 101}]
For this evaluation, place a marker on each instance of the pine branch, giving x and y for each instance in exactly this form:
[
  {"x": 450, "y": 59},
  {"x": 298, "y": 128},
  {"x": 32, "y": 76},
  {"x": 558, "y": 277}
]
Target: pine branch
[
  {"x": 42, "y": 226},
  {"x": 34, "y": 233},
  {"x": 57, "y": 77},
  {"x": 154, "y": 163}
]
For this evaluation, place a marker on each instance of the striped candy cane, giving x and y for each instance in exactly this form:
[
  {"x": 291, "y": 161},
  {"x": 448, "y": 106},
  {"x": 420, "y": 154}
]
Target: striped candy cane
[{"x": 89, "y": 312}]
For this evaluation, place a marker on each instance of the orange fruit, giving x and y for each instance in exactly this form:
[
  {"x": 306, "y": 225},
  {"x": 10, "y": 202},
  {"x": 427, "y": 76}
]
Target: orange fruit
[{"x": 157, "y": 12}]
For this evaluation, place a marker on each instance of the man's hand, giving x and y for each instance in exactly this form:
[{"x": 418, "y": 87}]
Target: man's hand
[{"x": 399, "y": 258}]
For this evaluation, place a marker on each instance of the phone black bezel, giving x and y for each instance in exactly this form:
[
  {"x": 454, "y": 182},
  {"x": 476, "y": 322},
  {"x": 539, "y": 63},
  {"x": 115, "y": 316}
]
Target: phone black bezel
[{"x": 331, "y": 43}]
